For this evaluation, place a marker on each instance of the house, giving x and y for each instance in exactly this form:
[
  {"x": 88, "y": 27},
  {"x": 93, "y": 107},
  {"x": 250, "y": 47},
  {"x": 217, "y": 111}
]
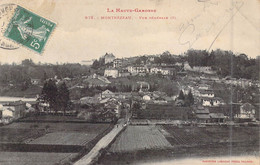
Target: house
[
  {"x": 89, "y": 100},
  {"x": 201, "y": 69},
  {"x": 203, "y": 86},
  {"x": 202, "y": 114},
  {"x": 157, "y": 94},
  {"x": 247, "y": 112},
  {"x": 14, "y": 109},
  {"x": 35, "y": 81},
  {"x": 95, "y": 81},
  {"x": 217, "y": 117},
  {"x": 111, "y": 72},
  {"x": 135, "y": 70},
  {"x": 141, "y": 86},
  {"x": 206, "y": 93},
  {"x": 123, "y": 73},
  {"x": 146, "y": 97},
  {"x": 107, "y": 94},
  {"x": 117, "y": 63},
  {"x": 113, "y": 107},
  {"x": 244, "y": 83},
  {"x": 8, "y": 112},
  {"x": 160, "y": 100},
  {"x": 155, "y": 70},
  {"x": 211, "y": 101},
  {"x": 109, "y": 57},
  {"x": 168, "y": 71},
  {"x": 107, "y": 116}
]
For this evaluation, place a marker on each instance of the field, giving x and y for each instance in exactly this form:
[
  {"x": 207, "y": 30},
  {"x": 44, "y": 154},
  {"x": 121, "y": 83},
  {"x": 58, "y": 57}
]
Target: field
[
  {"x": 51, "y": 133},
  {"x": 182, "y": 143},
  {"x": 65, "y": 138},
  {"x": 139, "y": 138},
  {"x": 47, "y": 143},
  {"x": 31, "y": 158},
  {"x": 60, "y": 127},
  {"x": 207, "y": 135},
  {"x": 18, "y": 135}
]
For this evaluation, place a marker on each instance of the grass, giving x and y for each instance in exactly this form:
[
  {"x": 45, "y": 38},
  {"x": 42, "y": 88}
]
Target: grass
[
  {"x": 18, "y": 135},
  {"x": 31, "y": 158},
  {"x": 187, "y": 142},
  {"x": 22, "y": 131},
  {"x": 49, "y": 133},
  {"x": 50, "y": 118},
  {"x": 139, "y": 138},
  {"x": 207, "y": 135},
  {"x": 65, "y": 138}
]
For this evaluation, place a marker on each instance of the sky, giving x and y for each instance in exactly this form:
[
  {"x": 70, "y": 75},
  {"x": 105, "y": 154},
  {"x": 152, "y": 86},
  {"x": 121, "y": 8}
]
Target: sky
[{"x": 192, "y": 24}]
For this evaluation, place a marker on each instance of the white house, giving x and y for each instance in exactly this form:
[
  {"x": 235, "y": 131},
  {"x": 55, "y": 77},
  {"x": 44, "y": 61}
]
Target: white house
[
  {"x": 8, "y": 112},
  {"x": 109, "y": 58},
  {"x": 203, "y": 86},
  {"x": 201, "y": 69},
  {"x": 146, "y": 98},
  {"x": 134, "y": 70},
  {"x": 107, "y": 94},
  {"x": 247, "y": 111},
  {"x": 211, "y": 101},
  {"x": 111, "y": 72},
  {"x": 117, "y": 63},
  {"x": 206, "y": 93},
  {"x": 35, "y": 81}
]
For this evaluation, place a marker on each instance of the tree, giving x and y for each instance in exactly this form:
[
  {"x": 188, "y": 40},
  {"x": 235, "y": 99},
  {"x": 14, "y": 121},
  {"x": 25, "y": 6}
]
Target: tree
[
  {"x": 95, "y": 64},
  {"x": 27, "y": 62},
  {"x": 44, "y": 78},
  {"x": 49, "y": 94},
  {"x": 63, "y": 97},
  {"x": 189, "y": 100},
  {"x": 181, "y": 95},
  {"x": 137, "y": 109}
]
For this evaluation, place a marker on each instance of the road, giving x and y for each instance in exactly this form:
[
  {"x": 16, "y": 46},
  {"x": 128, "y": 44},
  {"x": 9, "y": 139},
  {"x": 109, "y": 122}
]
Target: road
[{"x": 104, "y": 142}]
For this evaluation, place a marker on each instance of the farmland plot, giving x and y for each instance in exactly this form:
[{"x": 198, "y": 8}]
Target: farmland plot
[
  {"x": 206, "y": 135},
  {"x": 51, "y": 133},
  {"x": 139, "y": 138},
  {"x": 57, "y": 127},
  {"x": 65, "y": 138},
  {"x": 31, "y": 158},
  {"x": 15, "y": 135}
]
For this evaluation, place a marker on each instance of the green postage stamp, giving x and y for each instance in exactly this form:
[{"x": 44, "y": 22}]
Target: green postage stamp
[{"x": 29, "y": 29}]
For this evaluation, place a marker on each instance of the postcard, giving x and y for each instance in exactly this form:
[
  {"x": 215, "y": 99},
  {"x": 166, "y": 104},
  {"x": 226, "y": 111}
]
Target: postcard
[{"x": 115, "y": 82}]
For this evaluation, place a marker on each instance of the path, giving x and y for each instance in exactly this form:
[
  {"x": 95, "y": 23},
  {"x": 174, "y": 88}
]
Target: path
[{"x": 104, "y": 142}]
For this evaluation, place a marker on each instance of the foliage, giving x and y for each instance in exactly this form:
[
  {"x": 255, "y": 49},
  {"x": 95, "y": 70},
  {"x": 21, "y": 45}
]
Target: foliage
[
  {"x": 63, "y": 97},
  {"x": 136, "y": 108},
  {"x": 181, "y": 95},
  {"x": 18, "y": 74},
  {"x": 226, "y": 63},
  {"x": 56, "y": 97},
  {"x": 98, "y": 63},
  {"x": 49, "y": 94},
  {"x": 189, "y": 100}
]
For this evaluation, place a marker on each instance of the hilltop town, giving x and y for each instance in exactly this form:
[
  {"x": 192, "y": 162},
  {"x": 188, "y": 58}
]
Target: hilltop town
[{"x": 164, "y": 92}]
